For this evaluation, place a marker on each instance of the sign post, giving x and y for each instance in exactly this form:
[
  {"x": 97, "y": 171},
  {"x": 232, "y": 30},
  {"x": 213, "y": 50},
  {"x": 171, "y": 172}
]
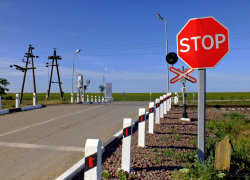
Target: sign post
[
  {"x": 202, "y": 43},
  {"x": 201, "y": 113}
]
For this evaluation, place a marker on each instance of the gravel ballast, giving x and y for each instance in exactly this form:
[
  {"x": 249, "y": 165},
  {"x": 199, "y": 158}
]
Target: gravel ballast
[{"x": 148, "y": 163}]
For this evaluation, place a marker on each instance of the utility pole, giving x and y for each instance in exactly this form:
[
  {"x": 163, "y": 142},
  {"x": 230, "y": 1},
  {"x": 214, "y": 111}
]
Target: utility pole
[
  {"x": 24, "y": 69},
  {"x": 54, "y": 60}
]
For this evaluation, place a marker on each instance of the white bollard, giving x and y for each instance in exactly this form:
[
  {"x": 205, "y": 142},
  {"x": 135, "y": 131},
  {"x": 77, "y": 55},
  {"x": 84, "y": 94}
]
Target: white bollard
[
  {"x": 93, "y": 159},
  {"x": 99, "y": 99},
  {"x": 82, "y": 98},
  {"x": 102, "y": 99},
  {"x": 175, "y": 98},
  {"x": 77, "y": 98},
  {"x": 0, "y": 103},
  {"x": 127, "y": 144},
  {"x": 170, "y": 102},
  {"x": 34, "y": 99},
  {"x": 95, "y": 99},
  {"x": 72, "y": 100},
  {"x": 165, "y": 104},
  {"x": 92, "y": 99},
  {"x": 142, "y": 127},
  {"x": 151, "y": 118},
  {"x": 161, "y": 107},
  {"x": 17, "y": 100},
  {"x": 157, "y": 111},
  {"x": 87, "y": 98}
]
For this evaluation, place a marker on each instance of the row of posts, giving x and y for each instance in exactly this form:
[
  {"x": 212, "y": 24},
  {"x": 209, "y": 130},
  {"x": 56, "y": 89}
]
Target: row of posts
[
  {"x": 89, "y": 99},
  {"x": 93, "y": 152},
  {"x": 17, "y": 103}
]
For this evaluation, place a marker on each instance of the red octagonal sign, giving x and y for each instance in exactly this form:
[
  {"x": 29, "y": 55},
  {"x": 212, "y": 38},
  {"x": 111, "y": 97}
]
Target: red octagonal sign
[{"x": 203, "y": 43}]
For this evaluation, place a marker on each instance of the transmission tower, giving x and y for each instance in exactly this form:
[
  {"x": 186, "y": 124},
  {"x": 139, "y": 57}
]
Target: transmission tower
[
  {"x": 24, "y": 69},
  {"x": 54, "y": 60}
]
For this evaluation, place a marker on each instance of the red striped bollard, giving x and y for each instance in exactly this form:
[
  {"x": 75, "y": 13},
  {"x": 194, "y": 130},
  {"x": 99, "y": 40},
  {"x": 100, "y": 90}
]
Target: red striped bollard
[
  {"x": 127, "y": 144},
  {"x": 157, "y": 111},
  {"x": 93, "y": 159},
  {"x": 168, "y": 100},
  {"x": 142, "y": 127},
  {"x": 151, "y": 118},
  {"x": 161, "y": 107},
  {"x": 165, "y": 104}
]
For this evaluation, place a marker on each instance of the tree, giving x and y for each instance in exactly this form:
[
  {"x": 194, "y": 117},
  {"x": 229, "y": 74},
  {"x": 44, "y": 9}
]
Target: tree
[{"x": 3, "y": 84}]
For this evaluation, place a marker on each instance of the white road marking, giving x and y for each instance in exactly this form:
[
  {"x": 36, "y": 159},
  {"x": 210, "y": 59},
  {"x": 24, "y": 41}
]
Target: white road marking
[
  {"x": 48, "y": 121},
  {"x": 37, "y": 146}
]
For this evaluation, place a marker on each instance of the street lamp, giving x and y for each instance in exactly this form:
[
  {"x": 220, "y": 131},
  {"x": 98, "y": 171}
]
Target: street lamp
[
  {"x": 77, "y": 51},
  {"x": 104, "y": 75},
  {"x": 158, "y": 15},
  {"x": 104, "y": 78}
]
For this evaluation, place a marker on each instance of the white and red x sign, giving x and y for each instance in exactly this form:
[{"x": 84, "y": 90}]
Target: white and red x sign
[{"x": 182, "y": 74}]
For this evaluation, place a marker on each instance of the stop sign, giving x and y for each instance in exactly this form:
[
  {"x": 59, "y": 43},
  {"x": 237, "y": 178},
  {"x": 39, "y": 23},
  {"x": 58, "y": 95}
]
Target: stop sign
[{"x": 203, "y": 42}]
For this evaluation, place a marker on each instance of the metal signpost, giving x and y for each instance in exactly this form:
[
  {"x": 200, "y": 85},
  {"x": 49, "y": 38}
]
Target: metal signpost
[
  {"x": 101, "y": 88},
  {"x": 85, "y": 88},
  {"x": 123, "y": 94},
  {"x": 202, "y": 43},
  {"x": 183, "y": 76}
]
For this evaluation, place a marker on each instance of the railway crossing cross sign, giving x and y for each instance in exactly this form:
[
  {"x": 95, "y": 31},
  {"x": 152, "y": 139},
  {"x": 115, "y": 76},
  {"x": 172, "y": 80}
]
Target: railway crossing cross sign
[
  {"x": 182, "y": 74},
  {"x": 202, "y": 43}
]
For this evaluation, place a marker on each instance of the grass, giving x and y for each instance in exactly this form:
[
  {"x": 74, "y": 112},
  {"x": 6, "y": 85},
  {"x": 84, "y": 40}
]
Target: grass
[
  {"x": 238, "y": 129},
  {"x": 122, "y": 175},
  {"x": 55, "y": 98},
  {"x": 106, "y": 175},
  {"x": 157, "y": 159},
  {"x": 242, "y": 96}
]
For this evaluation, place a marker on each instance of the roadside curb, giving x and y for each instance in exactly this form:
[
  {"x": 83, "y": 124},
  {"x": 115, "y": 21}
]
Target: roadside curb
[
  {"x": 80, "y": 165},
  {"x": 7, "y": 111}
]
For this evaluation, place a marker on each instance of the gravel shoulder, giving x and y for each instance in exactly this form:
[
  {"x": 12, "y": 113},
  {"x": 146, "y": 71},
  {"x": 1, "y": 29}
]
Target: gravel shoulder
[{"x": 172, "y": 134}]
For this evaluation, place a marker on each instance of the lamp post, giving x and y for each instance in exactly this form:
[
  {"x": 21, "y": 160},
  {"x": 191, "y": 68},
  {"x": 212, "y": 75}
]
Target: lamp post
[
  {"x": 158, "y": 15},
  {"x": 104, "y": 75},
  {"x": 72, "y": 99}
]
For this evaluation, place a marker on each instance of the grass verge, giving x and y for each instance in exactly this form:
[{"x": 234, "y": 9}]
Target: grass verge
[{"x": 238, "y": 128}]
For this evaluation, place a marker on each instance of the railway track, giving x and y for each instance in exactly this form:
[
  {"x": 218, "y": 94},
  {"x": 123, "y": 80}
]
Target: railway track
[{"x": 216, "y": 106}]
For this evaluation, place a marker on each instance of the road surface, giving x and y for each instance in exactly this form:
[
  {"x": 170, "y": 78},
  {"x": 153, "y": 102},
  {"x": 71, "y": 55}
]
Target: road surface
[{"x": 44, "y": 143}]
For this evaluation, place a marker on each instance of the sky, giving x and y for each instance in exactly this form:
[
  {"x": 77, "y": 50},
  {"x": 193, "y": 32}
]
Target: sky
[{"x": 124, "y": 36}]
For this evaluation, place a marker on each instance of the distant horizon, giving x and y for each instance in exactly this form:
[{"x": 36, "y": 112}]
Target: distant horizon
[{"x": 131, "y": 92}]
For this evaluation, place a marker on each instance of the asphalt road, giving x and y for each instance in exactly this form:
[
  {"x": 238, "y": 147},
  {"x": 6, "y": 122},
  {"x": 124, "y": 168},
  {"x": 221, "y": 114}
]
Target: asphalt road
[{"x": 44, "y": 143}]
